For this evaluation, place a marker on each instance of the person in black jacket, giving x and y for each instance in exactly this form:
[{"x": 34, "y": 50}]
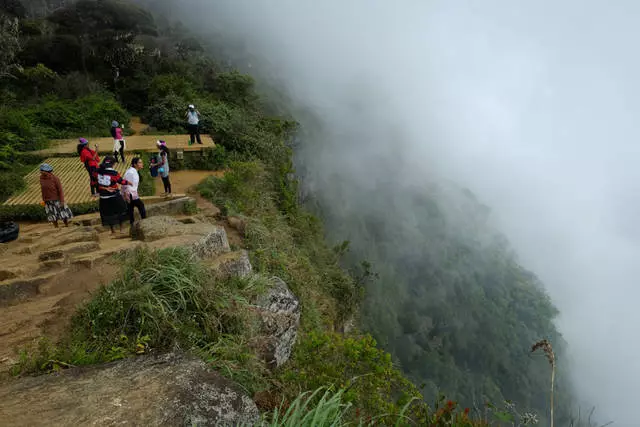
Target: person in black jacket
[{"x": 113, "y": 208}]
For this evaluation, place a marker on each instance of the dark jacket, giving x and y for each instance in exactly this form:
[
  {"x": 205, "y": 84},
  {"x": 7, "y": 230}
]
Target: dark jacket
[
  {"x": 51, "y": 187},
  {"x": 108, "y": 180}
]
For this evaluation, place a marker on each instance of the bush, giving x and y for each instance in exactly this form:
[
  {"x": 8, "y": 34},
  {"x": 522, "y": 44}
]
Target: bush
[
  {"x": 36, "y": 212},
  {"x": 171, "y": 84},
  {"x": 354, "y": 364},
  {"x": 210, "y": 158},
  {"x": 18, "y": 131},
  {"x": 290, "y": 246},
  {"x": 10, "y": 182},
  {"x": 90, "y": 115},
  {"x": 147, "y": 185},
  {"x": 235, "y": 88}
]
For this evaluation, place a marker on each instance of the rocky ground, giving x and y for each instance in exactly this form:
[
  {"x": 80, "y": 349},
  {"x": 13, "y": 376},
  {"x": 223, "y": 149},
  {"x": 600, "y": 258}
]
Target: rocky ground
[{"x": 48, "y": 272}]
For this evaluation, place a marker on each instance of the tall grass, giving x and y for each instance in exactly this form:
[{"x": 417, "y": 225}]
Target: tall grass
[
  {"x": 161, "y": 299},
  {"x": 323, "y": 407}
]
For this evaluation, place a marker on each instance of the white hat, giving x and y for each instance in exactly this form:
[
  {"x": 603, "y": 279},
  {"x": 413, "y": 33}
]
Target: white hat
[{"x": 191, "y": 106}]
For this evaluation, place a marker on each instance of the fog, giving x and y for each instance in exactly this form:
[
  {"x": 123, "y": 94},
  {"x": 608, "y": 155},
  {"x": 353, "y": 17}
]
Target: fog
[{"x": 531, "y": 105}]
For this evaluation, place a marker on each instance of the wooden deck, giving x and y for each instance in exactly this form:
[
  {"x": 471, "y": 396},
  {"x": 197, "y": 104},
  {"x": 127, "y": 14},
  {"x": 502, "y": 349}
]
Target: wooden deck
[
  {"x": 135, "y": 143},
  {"x": 72, "y": 174}
]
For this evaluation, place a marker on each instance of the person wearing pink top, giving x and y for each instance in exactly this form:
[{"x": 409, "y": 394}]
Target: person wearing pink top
[{"x": 119, "y": 143}]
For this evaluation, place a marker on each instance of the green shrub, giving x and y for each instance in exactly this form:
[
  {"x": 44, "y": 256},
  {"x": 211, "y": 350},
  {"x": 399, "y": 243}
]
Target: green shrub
[
  {"x": 18, "y": 130},
  {"x": 210, "y": 158},
  {"x": 147, "y": 185},
  {"x": 10, "y": 182},
  {"x": 372, "y": 384},
  {"x": 36, "y": 212},
  {"x": 89, "y": 115},
  {"x": 171, "y": 84},
  {"x": 288, "y": 245},
  {"x": 167, "y": 114},
  {"x": 235, "y": 88}
]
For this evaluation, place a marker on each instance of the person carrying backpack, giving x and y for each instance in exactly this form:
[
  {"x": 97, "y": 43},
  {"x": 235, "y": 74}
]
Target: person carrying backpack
[{"x": 163, "y": 167}]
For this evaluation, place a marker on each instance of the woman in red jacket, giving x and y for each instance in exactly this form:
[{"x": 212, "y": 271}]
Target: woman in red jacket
[
  {"x": 90, "y": 160},
  {"x": 113, "y": 208}
]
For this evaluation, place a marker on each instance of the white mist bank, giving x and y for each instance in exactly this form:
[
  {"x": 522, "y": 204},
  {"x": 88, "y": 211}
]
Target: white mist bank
[{"x": 531, "y": 105}]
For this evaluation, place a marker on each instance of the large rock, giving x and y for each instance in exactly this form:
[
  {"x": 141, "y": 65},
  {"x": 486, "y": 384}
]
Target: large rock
[
  {"x": 205, "y": 240},
  {"x": 279, "y": 310},
  {"x": 171, "y": 207},
  {"x": 235, "y": 263},
  {"x": 167, "y": 390},
  {"x": 155, "y": 228}
]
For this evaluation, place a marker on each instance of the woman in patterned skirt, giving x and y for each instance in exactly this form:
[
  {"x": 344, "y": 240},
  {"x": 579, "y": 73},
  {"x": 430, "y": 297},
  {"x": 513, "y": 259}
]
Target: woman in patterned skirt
[{"x": 53, "y": 197}]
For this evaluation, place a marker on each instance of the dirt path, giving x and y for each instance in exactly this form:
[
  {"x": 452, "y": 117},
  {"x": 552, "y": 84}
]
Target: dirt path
[
  {"x": 184, "y": 182},
  {"x": 48, "y": 272}
]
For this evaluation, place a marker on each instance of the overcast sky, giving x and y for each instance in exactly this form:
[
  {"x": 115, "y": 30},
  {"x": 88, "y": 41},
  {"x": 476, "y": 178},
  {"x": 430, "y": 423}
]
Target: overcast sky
[{"x": 533, "y": 105}]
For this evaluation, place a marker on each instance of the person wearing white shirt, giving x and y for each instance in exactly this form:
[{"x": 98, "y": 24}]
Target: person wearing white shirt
[
  {"x": 130, "y": 192},
  {"x": 193, "y": 124}
]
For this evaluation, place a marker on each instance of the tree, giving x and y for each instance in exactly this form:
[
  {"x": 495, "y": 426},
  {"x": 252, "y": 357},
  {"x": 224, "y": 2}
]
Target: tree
[
  {"x": 106, "y": 31},
  {"x": 12, "y": 8},
  {"x": 10, "y": 42}
]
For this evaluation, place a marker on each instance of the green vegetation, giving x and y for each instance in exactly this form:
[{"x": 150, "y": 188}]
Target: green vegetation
[
  {"x": 36, "y": 212},
  {"x": 161, "y": 299},
  {"x": 450, "y": 302}
]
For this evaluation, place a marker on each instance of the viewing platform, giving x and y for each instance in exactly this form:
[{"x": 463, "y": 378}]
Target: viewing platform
[{"x": 135, "y": 143}]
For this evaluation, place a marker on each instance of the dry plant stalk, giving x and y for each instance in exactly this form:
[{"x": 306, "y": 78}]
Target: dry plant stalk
[{"x": 547, "y": 348}]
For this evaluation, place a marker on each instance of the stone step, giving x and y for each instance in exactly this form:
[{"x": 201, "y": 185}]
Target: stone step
[
  {"x": 156, "y": 205},
  {"x": 66, "y": 250},
  {"x": 22, "y": 288},
  {"x": 90, "y": 260}
]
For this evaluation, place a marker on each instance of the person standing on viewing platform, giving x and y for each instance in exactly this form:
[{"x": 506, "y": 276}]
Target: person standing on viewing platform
[
  {"x": 119, "y": 143},
  {"x": 90, "y": 160},
  {"x": 53, "y": 197},
  {"x": 130, "y": 191},
  {"x": 163, "y": 167},
  {"x": 193, "y": 124}
]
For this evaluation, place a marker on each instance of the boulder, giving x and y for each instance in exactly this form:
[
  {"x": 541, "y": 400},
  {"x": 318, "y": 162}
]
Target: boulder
[
  {"x": 235, "y": 263},
  {"x": 170, "y": 207},
  {"x": 204, "y": 239},
  {"x": 279, "y": 311},
  {"x": 212, "y": 242},
  {"x": 238, "y": 223},
  {"x": 154, "y": 228},
  {"x": 165, "y": 390}
]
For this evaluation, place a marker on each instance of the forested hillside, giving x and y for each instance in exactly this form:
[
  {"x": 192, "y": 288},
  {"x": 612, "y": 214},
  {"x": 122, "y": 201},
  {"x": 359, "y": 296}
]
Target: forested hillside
[
  {"x": 443, "y": 293},
  {"x": 451, "y": 302}
]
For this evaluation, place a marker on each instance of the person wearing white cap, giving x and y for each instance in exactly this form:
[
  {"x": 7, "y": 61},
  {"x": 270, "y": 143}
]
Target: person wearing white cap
[
  {"x": 163, "y": 167},
  {"x": 193, "y": 124}
]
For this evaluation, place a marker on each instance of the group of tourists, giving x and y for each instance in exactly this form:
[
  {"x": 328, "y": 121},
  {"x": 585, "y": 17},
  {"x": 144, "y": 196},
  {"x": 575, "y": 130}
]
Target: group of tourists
[{"x": 118, "y": 195}]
